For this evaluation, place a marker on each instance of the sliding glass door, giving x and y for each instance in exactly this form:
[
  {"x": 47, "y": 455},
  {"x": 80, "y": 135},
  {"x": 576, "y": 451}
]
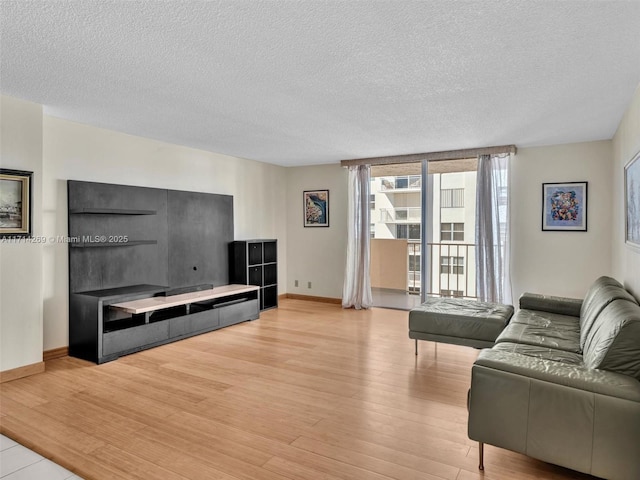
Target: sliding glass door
[
  {"x": 422, "y": 232},
  {"x": 451, "y": 245},
  {"x": 396, "y": 234}
]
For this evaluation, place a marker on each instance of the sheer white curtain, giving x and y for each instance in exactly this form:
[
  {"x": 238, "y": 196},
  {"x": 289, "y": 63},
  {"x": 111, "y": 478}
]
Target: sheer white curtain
[
  {"x": 493, "y": 279},
  {"x": 357, "y": 284}
]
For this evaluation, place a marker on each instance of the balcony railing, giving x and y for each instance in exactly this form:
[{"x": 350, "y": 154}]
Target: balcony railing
[
  {"x": 411, "y": 182},
  {"x": 395, "y": 265},
  {"x": 451, "y": 269},
  {"x": 400, "y": 215}
]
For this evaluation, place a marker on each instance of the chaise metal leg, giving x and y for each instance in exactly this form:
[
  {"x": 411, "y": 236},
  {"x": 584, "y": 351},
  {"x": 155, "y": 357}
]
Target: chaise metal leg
[
  {"x": 481, "y": 454},
  {"x": 416, "y": 346}
]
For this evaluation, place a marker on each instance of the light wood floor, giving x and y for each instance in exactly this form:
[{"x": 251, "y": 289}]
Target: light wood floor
[{"x": 309, "y": 391}]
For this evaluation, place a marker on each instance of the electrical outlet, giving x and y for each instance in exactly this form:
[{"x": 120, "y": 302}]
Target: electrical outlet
[
  {"x": 309, "y": 285},
  {"x": 295, "y": 283}
]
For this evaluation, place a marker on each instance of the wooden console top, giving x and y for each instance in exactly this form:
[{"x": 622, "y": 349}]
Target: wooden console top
[{"x": 157, "y": 303}]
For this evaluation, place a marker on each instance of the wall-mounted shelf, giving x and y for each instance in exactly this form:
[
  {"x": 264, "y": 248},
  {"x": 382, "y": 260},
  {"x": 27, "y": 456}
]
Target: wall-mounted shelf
[
  {"x": 129, "y": 290},
  {"x": 130, "y": 243},
  {"x": 110, "y": 211}
]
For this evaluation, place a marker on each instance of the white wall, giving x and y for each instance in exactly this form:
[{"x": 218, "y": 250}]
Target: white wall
[
  {"x": 554, "y": 263},
  {"x": 81, "y": 152},
  {"x": 317, "y": 254},
  {"x": 560, "y": 263},
  {"x": 626, "y": 143},
  {"x": 21, "y": 263}
]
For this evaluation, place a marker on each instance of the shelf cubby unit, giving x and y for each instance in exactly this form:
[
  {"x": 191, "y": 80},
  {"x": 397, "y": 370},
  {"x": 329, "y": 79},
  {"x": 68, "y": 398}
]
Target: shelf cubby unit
[{"x": 255, "y": 262}]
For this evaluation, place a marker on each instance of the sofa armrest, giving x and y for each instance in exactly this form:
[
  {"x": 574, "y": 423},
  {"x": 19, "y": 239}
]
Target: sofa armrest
[
  {"x": 569, "y": 375},
  {"x": 551, "y": 304},
  {"x": 586, "y": 420}
]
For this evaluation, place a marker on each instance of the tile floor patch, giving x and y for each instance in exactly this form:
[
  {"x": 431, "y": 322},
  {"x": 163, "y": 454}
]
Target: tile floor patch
[
  {"x": 15, "y": 458},
  {"x": 40, "y": 470},
  {"x": 6, "y": 442},
  {"x": 19, "y": 463}
]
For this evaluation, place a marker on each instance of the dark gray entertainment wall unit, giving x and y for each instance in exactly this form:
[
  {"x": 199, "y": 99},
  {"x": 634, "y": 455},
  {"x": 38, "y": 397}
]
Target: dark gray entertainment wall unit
[{"x": 149, "y": 266}]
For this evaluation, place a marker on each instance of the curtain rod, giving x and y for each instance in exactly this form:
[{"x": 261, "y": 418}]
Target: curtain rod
[{"x": 431, "y": 156}]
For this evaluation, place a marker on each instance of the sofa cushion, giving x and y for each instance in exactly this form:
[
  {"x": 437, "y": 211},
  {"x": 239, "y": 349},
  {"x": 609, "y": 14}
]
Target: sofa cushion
[
  {"x": 543, "y": 329},
  {"x": 561, "y": 373},
  {"x": 601, "y": 293},
  {"x": 547, "y": 320},
  {"x": 537, "y": 351},
  {"x": 549, "y": 303},
  {"x": 459, "y": 318},
  {"x": 613, "y": 342}
]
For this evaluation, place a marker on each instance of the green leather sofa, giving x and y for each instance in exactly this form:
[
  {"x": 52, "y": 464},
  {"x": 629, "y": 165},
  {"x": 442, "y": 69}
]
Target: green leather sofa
[{"x": 562, "y": 383}]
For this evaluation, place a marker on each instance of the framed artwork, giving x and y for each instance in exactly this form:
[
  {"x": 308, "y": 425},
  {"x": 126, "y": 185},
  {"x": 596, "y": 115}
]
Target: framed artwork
[
  {"x": 316, "y": 208},
  {"x": 564, "y": 206},
  {"x": 15, "y": 203},
  {"x": 632, "y": 201}
]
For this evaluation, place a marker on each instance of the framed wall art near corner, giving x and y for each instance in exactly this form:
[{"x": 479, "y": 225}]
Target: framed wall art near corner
[
  {"x": 15, "y": 203},
  {"x": 564, "y": 206},
  {"x": 316, "y": 208},
  {"x": 632, "y": 201}
]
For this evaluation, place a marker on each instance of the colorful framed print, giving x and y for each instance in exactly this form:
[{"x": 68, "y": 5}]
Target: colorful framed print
[
  {"x": 564, "y": 206},
  {"x": 15, "y": 203},
  {"x": 316, "y": 208},
  {"x": 632, "y": 201}
]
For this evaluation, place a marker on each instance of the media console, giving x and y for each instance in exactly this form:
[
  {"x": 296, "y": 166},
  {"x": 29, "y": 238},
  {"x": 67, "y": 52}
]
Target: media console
[
  {"x": 119, "y": 321},
  {"x": 148, "y": 266}
]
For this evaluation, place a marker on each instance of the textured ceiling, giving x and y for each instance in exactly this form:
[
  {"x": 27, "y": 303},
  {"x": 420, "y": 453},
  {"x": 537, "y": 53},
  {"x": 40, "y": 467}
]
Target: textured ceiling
[{"x": 310, "y": 82}]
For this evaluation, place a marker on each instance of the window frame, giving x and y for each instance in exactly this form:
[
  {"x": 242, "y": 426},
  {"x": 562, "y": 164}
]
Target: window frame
[
  {"x": 451, "y": 265},
  {"x": 451, "y": 232}
]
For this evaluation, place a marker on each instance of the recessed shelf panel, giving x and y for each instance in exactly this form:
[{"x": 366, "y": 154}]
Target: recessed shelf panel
[
  {"x": 130, "y": 243},
  {"x": 111, "y": 211}
]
